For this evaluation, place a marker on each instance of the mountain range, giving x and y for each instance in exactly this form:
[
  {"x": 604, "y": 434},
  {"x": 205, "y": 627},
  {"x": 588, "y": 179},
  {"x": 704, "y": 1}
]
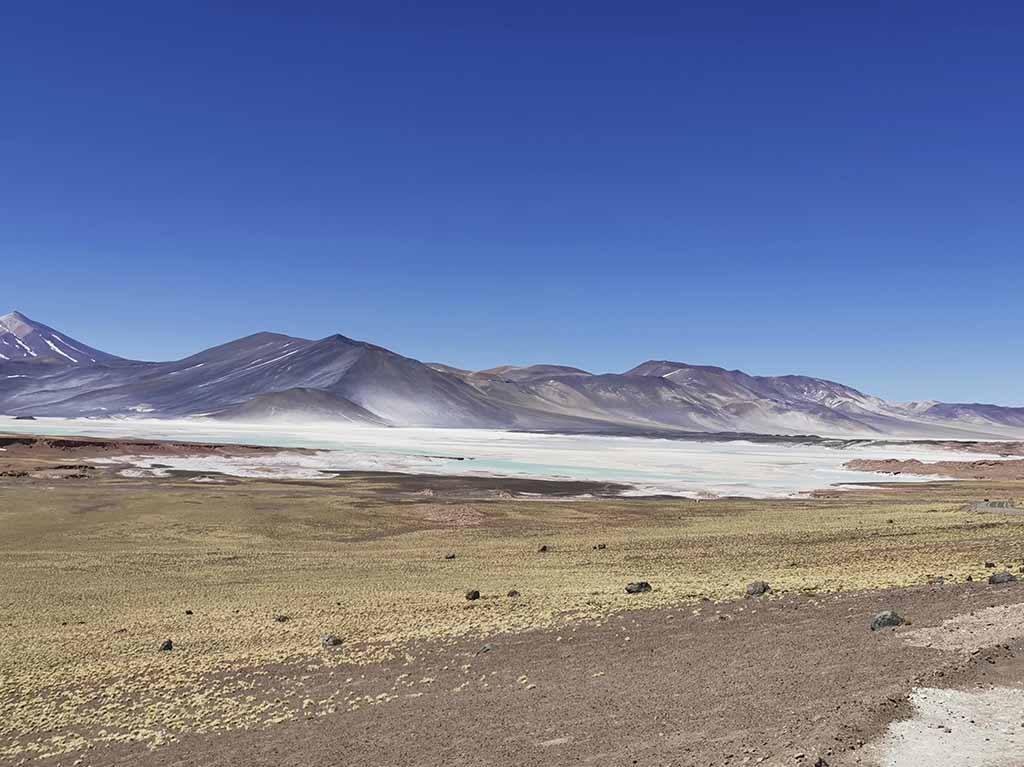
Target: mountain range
[{"x": 269, "y": 377}]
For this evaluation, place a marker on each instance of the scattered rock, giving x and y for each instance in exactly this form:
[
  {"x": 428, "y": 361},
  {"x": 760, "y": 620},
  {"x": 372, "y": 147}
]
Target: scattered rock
[
  {"x": 1003, "y": 577},
  {"x": 166, "y": 646},
  {"x": 886, "y": 619},
  {"x": 281, "y": 618},
  {"x": 542, "y": 550},
  {"x": 449, "y": 556},
  {"x": 472, "y": 595},
  {"x": 758, "y": 588},
  {"x": 600, "y": 547},
  {"x": 638, "y": 588},
  {"x": 188, "y": 612},
  {"x": 330, "y": 640},
  {"x": 513, "y": 593},
  {"x": 990, "y": 564}
]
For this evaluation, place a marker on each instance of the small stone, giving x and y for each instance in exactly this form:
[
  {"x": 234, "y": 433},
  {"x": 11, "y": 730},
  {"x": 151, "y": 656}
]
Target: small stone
[
  {"x": 1003, "y": 577},
  {"x": 936, "y": 580},
  {"x": 600, "y": 547},
  {"x": 513, "y": 593},
  {"x": 166, "y": 646},
  {"x": 758, "y": 588},
  {"x": 188, "y": 612},
  {"x": 330, "y": 640},
  {"x": 281, "y": 618},
  {"x": 886, "y": 619},
  {"x": 449, "y": 556},
  {"x": 472, "y": 595},
  {"x": 969, "y": 579},
  {"x": 990, "y": 564},
  {"x": 543, "y": 549},
  {"x": 486, "y": 649},
  {"x": 639, "y": 587}
]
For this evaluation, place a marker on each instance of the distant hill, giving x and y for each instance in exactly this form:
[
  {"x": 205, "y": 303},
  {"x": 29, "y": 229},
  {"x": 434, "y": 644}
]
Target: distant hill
[{"x": 273, "y": 377}]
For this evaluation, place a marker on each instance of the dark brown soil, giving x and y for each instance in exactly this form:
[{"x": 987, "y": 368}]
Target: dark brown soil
[
  {"x": 987, "y": 470},
  {"x": 777, "y": 681}
]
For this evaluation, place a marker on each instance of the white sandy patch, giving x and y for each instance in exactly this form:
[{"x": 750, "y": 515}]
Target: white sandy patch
[
  {"x": 988, "y": 627},
  {"x": 141, "y": 473},
  {"x": 956, "y": 728}
]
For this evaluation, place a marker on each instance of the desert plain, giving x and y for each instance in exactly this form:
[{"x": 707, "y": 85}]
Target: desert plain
[{"x": 199, "y": 618}]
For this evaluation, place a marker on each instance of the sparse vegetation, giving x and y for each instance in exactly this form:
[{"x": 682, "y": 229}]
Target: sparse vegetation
[{"x": 96, "y": 573}]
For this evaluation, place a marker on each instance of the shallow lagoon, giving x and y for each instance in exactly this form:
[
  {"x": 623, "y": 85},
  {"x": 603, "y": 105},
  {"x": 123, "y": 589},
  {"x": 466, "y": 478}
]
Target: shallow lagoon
[{"x": 676, "y": 467}]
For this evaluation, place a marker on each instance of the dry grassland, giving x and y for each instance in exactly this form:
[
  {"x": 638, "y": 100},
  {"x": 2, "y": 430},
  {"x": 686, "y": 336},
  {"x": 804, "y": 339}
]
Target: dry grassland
[{"x": 95, "y": 574}]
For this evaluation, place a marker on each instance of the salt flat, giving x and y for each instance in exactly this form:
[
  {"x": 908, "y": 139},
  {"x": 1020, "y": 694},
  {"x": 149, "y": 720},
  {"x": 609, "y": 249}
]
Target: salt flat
[{"x": 649, "y": 465}]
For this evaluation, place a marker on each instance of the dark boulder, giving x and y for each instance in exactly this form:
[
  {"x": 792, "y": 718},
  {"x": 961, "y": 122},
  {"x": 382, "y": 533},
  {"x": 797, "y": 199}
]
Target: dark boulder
[
  {"x": 758, "y": 588},
  {"x": 886, "y": 619},
  {"x": 166, "y": 646},
  {"x": 1003, "y": 577},
  {"x": 472, "y": 595},
  {"x": 639, "y": 587}
]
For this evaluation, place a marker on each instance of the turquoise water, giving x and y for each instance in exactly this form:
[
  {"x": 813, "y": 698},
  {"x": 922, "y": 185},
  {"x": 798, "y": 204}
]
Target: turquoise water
[{"x": 649, "y": 465}]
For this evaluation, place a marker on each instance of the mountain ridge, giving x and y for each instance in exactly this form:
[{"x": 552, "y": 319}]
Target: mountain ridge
[{"x": 273, "y": 376}]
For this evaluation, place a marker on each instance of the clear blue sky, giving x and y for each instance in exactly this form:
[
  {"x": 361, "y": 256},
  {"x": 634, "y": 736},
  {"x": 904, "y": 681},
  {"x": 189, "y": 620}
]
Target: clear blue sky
[{"x": 780, "y": 187}]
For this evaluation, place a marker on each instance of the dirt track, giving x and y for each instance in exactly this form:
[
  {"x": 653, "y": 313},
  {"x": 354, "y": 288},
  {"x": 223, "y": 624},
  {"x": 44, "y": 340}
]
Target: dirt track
[{"x": 782, "y": 681}]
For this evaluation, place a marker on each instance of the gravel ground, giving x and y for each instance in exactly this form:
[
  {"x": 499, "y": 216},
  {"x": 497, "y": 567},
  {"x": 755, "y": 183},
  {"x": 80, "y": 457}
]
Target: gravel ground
[{"x": 781, "y": 681}]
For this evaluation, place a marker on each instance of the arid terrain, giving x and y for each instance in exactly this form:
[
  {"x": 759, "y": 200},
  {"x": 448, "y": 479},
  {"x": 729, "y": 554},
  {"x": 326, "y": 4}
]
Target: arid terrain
[{"x": 554, "y": 663}]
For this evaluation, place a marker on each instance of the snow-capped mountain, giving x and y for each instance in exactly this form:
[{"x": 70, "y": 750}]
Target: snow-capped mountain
[
  {"x": 268, "y": 376},
  {"x": 25, "y": 339}
]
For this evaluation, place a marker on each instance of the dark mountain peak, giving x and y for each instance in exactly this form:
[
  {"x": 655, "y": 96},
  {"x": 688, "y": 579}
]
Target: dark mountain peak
[
  {"x": 664, "y": 367},
  {"x": 338, "y": 338},
  {"x": 530, "y": 372},
  {"x": 240, "y": 348},
  {"x": 342, "y": 343},
  {"x": 268, "y": 335}
]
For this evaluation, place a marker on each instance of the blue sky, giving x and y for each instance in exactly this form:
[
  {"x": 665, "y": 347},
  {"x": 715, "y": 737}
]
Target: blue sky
[{"x": 780, "y": 187}]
